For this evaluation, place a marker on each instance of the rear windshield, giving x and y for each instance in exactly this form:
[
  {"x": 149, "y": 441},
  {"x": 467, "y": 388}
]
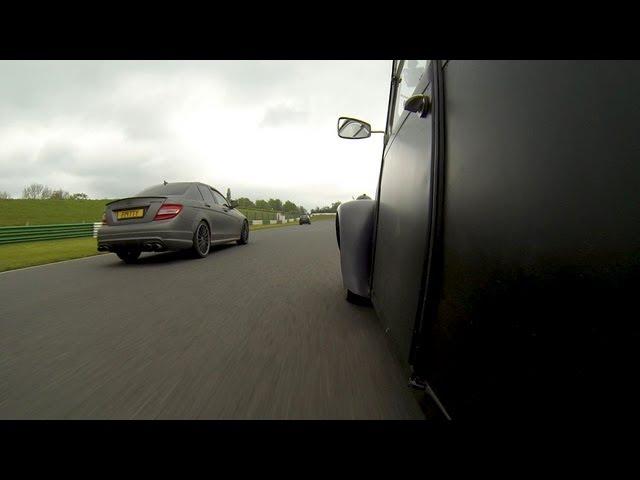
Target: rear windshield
[{"x": 163, "y": 190}]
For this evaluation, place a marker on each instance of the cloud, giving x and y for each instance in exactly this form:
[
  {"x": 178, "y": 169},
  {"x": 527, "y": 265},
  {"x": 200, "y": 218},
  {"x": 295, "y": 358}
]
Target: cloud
[
  {"x": 262, "y": 128},
  {"x": 281, "y": 115}
]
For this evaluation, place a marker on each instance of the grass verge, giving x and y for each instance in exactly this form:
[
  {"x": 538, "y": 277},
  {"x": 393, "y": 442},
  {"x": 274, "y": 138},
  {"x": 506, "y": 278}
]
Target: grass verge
[
  {"x": 28, "y": 254},
  {"x": 47, "y": 212}
]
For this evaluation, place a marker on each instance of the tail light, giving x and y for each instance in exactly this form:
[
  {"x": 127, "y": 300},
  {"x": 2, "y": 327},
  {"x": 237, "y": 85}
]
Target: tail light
[
  {"x": 104, "y": 218},
  {"x": 167, "y": 211}
]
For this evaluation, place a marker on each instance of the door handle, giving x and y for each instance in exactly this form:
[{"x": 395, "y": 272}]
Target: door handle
[
  {"x": 207, "y": 205},
  {"x": 418, "y": 104}
]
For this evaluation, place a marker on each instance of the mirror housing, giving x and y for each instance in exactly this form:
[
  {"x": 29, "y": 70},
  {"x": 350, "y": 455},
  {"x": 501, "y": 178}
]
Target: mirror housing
[
  {"x": 353, "y": 129},
  {"x": 233, "y": 204}
]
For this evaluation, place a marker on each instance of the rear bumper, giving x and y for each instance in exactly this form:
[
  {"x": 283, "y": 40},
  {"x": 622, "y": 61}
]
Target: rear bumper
[{"x": 150, "y": 237}]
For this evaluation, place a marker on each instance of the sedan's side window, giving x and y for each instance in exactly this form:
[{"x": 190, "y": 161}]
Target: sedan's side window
[
  {"x": 220, "y": 200},
  {"x": 194, "y": 194},
  {"x": 206, "y": 194}
]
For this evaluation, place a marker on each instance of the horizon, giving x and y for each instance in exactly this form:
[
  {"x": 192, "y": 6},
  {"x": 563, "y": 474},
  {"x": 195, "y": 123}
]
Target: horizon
[{"x": 264, "y": 129}]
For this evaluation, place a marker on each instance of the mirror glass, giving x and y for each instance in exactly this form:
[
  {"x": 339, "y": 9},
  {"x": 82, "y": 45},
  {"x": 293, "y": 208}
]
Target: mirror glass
[{"x": 353, "y": 128}]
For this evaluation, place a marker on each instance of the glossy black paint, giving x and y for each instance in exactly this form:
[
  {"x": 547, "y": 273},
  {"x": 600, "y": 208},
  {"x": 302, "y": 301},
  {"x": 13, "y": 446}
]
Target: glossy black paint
[
  {"x": 398, "y": 268},
  {"x": 534, "y": 255}
]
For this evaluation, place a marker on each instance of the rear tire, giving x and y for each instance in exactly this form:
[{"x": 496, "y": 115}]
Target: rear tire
[
  {"x": 244, "y": 234},
  {"x": 129, "y": 256},
  {"x": 201, "y": 240},
  {"x": 357, "y": 299}
]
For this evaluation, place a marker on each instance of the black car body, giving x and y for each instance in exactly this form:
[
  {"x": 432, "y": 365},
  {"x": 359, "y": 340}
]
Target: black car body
[
  {"x": 305, "y": 219},
  {"x": 505, "y": 235}
]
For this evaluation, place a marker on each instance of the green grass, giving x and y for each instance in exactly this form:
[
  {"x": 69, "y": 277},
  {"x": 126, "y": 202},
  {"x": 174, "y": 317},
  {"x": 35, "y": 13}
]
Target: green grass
[
  {"x": 28, "y": 254},
  {"x": 19, "y": 255},
  {"x": 45, "y": 212}
]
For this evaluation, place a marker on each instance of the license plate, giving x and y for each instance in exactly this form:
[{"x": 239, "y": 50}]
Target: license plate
[{"x": 126, "y": 214}]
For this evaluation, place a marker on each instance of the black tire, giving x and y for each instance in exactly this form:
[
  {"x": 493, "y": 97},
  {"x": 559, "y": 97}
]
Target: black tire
[
  {"x": 244, "y": 234},
  {"x": 129, "y": 256},
  {"x": 357, "y": 299},
  {"x": 201, "y": 240}
]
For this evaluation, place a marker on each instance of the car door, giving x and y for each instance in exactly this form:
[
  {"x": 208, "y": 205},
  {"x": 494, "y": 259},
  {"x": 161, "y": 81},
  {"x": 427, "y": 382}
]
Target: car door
[
  {"x": 229, "y": 223},
  {"x": 211, "y": 213},
  {"x": 404, "y": 197}
]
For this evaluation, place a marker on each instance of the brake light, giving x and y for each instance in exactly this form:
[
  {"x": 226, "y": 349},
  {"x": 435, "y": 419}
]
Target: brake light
[{"x": 167, "y": 211}]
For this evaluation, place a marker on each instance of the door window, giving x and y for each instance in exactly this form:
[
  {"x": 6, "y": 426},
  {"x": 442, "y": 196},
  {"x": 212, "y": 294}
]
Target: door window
[
  {"x": 206, "y": 194},
  {"x": 220, "y": 200},
  {"x": 409, "y": 82}
]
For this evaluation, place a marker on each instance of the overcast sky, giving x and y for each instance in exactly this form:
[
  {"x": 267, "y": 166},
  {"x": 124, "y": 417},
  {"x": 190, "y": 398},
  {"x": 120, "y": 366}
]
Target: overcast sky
[{"x": 263, "y": 128}]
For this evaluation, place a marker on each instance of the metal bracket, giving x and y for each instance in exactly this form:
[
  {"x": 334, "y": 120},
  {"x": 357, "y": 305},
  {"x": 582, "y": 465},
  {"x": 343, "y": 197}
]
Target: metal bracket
[{"x": 418, "y": 383}]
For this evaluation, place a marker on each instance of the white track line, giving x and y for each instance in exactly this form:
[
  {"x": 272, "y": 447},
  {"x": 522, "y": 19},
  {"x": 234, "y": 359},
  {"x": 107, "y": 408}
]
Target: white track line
[{"x": 52, "y": 263}]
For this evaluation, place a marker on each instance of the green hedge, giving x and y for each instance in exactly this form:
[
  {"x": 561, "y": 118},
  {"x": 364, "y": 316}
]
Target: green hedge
[
  {"x": 257, "y": 214},
  {"x": 48, "y": 212}
]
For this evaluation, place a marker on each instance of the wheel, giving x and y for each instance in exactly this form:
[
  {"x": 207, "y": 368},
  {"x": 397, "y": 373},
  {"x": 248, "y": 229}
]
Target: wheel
[
  {"x": 201, "y": 240},
  {"x": 357, "y": 299},
  {"x": 244, "y": 235},
  {"x": 129, "y": 256}
]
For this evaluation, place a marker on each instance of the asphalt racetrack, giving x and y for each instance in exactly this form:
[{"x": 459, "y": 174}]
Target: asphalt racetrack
[{"x": 260, "y": 331}]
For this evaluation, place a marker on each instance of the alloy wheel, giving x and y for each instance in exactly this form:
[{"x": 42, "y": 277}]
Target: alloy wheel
[{"x": 203, "y": 239}]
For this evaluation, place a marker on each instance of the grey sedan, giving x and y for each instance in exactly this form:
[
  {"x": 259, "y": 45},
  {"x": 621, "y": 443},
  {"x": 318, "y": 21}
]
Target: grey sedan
[{"x": 170, "y": 217}]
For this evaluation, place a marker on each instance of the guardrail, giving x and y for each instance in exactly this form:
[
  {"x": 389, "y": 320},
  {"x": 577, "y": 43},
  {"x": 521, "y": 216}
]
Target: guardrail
[
  {"x": 273, "y": 222},
  {"x": 263, "y": 214},
  {"x": 32, "y": 233}
]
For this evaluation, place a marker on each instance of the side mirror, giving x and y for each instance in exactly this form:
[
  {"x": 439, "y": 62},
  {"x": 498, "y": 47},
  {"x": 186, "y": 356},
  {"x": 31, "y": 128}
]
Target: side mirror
[
  {"x": 353, "y": 128},
  {"x": 233, "y": 203}
]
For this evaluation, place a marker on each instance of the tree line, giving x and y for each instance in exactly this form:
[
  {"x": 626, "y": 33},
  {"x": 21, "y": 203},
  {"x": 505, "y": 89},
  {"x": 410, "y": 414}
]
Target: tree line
[
  {"x": 332, "y": 209},
  {"x": 334, "y": 206},
  {"x": 37, "y": 191},
  {"x": 274, "y": 204}
]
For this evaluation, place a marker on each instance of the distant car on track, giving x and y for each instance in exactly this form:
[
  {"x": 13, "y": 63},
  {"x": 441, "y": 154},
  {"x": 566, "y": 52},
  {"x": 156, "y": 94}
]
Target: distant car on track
[
  {"x": 171, "y": 217},
  {"x": 305, "y": 219}
]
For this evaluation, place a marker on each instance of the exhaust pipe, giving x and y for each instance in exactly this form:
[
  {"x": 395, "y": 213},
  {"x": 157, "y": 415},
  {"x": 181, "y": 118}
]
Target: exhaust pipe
[
  {"x": 104, "y": 248},
  {"x": 152, "y": 246}
]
